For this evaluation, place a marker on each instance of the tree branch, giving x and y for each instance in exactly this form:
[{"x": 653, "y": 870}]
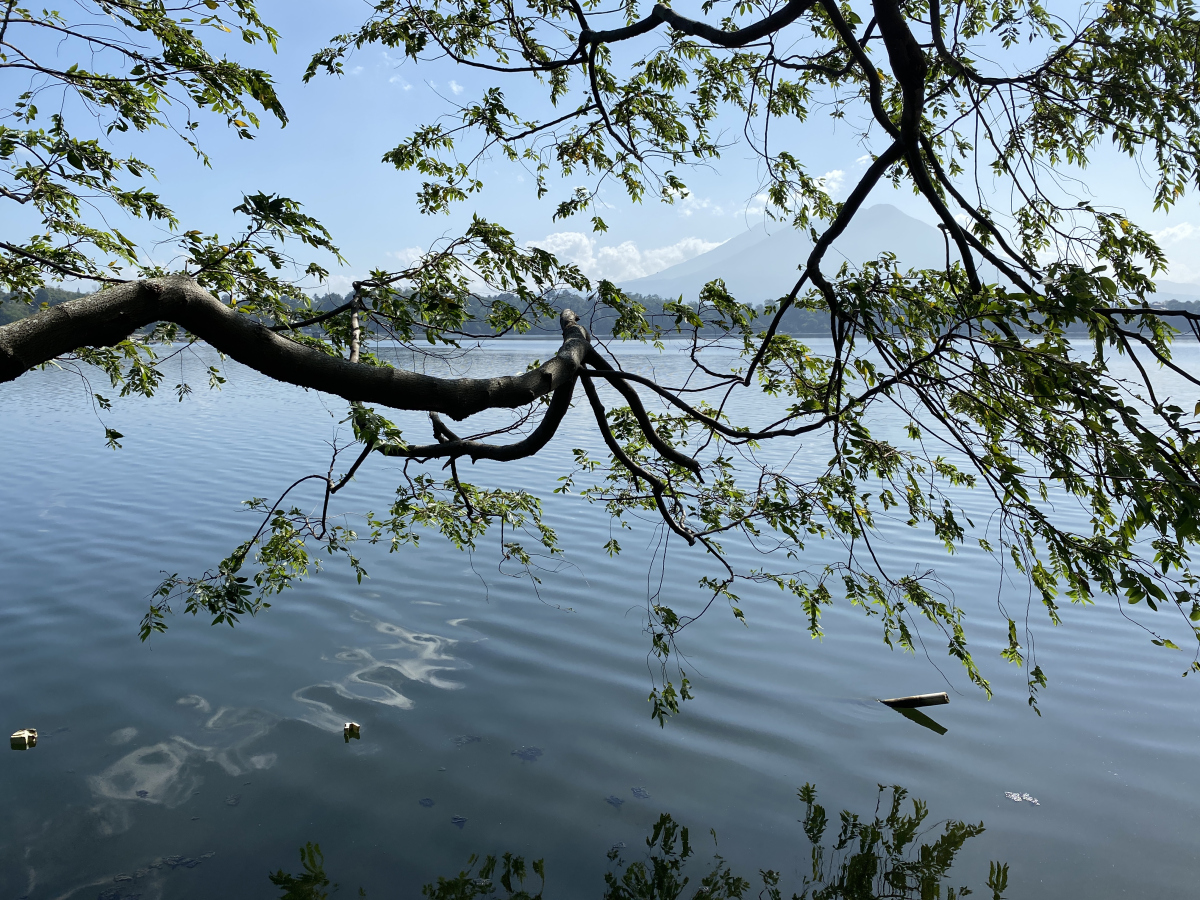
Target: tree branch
[
  {"x": 793, "y": 10},
  {"x": 317, "y": 320},
  {"x": 663, "y": 449},
  {"x": 111, "y": 316},
  {"x": 657, "y": 488},
  {"x": 576, "y": 344}
]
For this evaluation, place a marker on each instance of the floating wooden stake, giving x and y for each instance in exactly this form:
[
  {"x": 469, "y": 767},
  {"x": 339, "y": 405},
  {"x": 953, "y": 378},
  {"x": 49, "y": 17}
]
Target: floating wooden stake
[
  {"x": 24, "y": 739},
  {"x": 917, "y": 700},
  {"x": 350, "y": 730}
]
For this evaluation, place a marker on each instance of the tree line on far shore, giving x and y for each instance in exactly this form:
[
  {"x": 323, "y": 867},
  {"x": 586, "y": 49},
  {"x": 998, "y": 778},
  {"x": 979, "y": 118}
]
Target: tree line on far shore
[{"x": 598, "y": 318}]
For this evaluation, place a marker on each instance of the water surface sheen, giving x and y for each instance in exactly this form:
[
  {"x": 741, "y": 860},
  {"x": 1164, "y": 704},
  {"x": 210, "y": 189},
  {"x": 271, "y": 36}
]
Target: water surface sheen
[{"x": 228, "y": 742}]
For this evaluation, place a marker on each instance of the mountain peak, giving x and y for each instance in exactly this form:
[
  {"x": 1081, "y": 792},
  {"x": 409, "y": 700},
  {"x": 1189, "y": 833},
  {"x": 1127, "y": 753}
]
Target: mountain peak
[{"x": 763, "y": 263}]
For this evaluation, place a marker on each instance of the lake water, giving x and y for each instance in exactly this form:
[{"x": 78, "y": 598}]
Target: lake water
[{"x": 228, "y": 742}]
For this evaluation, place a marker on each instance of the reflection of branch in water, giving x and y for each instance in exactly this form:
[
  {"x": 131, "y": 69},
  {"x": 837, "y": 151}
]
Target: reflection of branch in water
[
  {"x": 882, "y": 859},
  {"x": 885, "y": 858},
  {"x": 311, "y": 883},
  {"x": 920, "y": 718}
]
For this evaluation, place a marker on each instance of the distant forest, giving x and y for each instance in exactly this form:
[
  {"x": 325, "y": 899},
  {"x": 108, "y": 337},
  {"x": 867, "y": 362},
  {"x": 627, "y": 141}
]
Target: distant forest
[
  {"x": 598, "y": 318},
  {"x": 11, "y": 310}
]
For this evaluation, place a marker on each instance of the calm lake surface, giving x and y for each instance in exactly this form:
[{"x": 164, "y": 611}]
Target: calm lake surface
[{"x": 222, "y": 749}]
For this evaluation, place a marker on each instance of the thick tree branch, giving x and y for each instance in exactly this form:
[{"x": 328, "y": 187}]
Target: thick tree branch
[
  {"x": 874, "y": 83},
  {"x": 317, "y": 320},
  {"x": 576, "y": 344},
  {"x": 560, "y": 403},
  {"x": 911, "y": 71},
  {"x": 665, "y": 450},
  {"x": 111, "y": 316},
  {"x": 657, "y": 488},
  {"x": 793, "y": 10}
]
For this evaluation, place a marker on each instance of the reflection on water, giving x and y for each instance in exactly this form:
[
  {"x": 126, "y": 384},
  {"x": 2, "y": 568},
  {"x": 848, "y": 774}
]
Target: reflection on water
[
  {"x": 882, "y": 857},
  {"x": 122, "y": 736},
  {"x": 494, "y": 710},
  {"x": 152, "y": 881},
  {"x": 311, "y": 882},
  {"x": 423, "y": 657},
  {"x": 165, "y": 774},
  {"x": 168, "y": 772},
  {"x": 50, "y": 862},
  {"x": 158, "y": 773},
  {"x": 894, "y": 856},
  {"x": 915, "y": 715}
]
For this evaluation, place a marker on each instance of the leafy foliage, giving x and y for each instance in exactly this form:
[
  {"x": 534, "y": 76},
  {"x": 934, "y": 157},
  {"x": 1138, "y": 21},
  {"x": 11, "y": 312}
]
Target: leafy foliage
[
  {"x": 155, "y": 59},
  {"x": 1095, "y": 477},
  {"x": 996, "y": 395}
]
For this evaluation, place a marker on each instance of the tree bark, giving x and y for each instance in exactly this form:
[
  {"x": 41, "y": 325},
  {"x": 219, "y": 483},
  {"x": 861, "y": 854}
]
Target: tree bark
[{"x": 112, "y": 315}]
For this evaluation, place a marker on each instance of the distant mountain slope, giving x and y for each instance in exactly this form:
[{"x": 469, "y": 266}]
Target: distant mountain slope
[
  {"x": 11, "y": 310},
  {"x": 762, "y": 263},
  {"x": 1175, "y": 290}
]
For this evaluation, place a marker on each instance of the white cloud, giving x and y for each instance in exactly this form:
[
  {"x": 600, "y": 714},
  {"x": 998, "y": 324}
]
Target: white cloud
[
  {"x": 335, "y": 284},
  {"x": 757, "y": 205},
  {"x": 574, "y": 246},
  {"x": 620, "y": 262},
  {"x": 357, "y": 70},
  {"x": 456, "y": 87},
  {"x": 691, "y": 204},
  {"x": 407, "y": 256},
  {"x": 831, "y": 181},
  {"x": 864, "y": 160},
  {"x": 1181, "y": 243},
  {"x": 1176, "y": 233}
]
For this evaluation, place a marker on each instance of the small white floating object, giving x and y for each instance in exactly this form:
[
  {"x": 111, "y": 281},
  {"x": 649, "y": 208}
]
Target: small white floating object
[
  {"x": 23, "y": 739},
  {"x": 350, "y": 730},
  {"x": 1017, "y": 798}
]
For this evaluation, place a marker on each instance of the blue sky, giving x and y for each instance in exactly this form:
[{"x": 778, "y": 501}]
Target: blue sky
[{"x": 328, "y": 157}]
